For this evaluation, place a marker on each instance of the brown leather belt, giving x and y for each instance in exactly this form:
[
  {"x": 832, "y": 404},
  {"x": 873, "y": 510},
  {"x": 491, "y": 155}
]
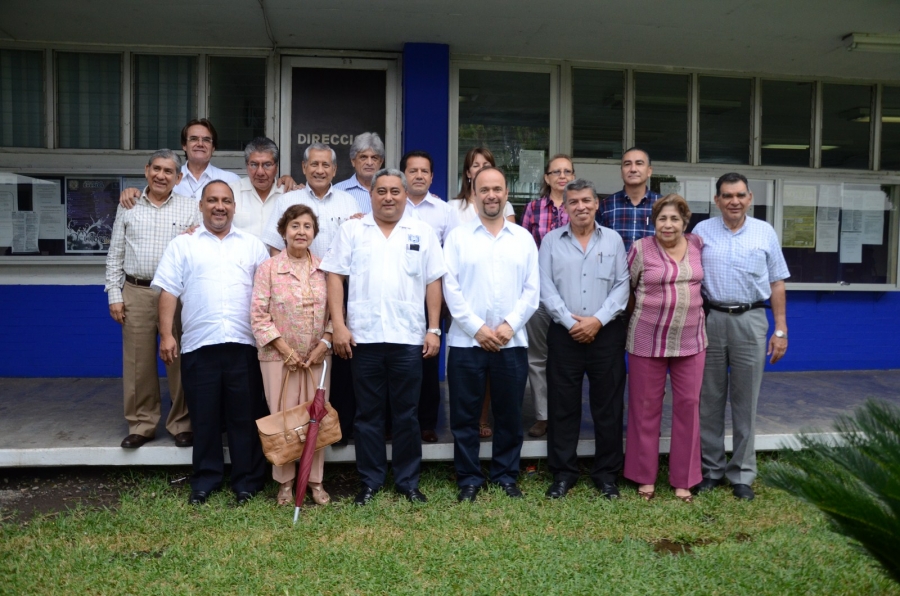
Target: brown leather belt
[{"x": 144, "y": 283}]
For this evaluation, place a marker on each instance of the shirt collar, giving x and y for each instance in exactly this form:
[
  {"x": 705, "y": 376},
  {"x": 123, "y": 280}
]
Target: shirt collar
[
  {"x": 567, "y": 229},
  {"x": 187, "y": 172},
  {"x": 282, "y": 262},
  {"x": 480, "y": 224},
  {"x": 624, "y": 194},
  {"x": 232, "y": 232},
  {"x": 313, "y": 196},
  {"x": 145, "y": 195},
  {"x": 369, "y": 220},
  {"x": 429, "y": 198},
  {"x": 247, "y": 185}
]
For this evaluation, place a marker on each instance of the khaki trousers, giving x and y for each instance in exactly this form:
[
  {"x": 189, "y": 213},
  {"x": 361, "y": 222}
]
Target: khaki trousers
[
  {"x": 297, "y": 393},
  {"x": 140, "y": 376}
]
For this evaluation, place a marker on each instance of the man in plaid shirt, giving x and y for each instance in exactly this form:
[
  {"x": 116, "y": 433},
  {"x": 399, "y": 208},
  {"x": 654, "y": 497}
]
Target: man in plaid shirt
[
  {"x": 139, "y": 238},
  {"x": 628, "y": 211}
]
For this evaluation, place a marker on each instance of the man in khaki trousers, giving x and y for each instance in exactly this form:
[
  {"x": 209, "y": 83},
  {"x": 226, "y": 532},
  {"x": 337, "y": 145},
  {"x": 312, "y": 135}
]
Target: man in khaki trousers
[{"x": 140, "y": 235}]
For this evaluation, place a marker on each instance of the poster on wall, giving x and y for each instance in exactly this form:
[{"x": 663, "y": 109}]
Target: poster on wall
[
  {"x": 91, "y": 205},
  {"x": 799, "y": 216},
  {"x": 46, "y": 197},
  {"x": 332, "y": 106}
]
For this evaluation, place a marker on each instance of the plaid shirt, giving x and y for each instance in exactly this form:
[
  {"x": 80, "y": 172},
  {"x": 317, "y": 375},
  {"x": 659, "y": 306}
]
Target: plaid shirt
[
  {"x": 542, "y": 216},
  {"x": 630, "y": 221}
]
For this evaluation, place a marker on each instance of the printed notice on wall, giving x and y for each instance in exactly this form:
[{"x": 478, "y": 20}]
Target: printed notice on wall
[
  {"x": 851, "y": 247},
  {"x": 828, "y": 218},
  {"x": 798, "y": 228},
  {"x": 698, "y": 194},
  {"x": 25, "y": 232},
  {"x": 9, "y": 202},
  {"x": 91, "y": 205},
  {"x": 531, "y": 166},
  {"x": 47, "y": 201},
  {"x": 671, "y": 188},
  {"x": 872, "y": 204}
]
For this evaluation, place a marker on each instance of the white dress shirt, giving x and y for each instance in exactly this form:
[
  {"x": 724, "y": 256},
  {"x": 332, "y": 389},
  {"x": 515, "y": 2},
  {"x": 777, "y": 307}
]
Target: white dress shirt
[
  {"x": 388, "y": 277},
  {"x": 435, "y": 213},
  {"x": 358, "y": 191},
  {"x": 193, "y": 187},
  {"x": 250, "y": 212},
  {"x": 490, "y": 280},
  {"x": 333, "y": 210},
  {"x": 460, "y": 216},
  {"x": 214, "y": 279}
]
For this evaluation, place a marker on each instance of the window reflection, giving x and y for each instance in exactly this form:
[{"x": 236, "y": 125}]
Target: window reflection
[
  {"x": 786, "y": 123},
  {"x": 597, "y": 113},
  {"x": 845, "y": 126},
  {"x": 661, "y": 115},
  {"x": 890, "y": 128},
  {"x": 724, "y": 120},
  {"x": 237, "y": 100}
]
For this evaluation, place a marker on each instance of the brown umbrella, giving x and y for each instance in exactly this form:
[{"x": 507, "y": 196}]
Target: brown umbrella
[{"x": 316, "y": 413}]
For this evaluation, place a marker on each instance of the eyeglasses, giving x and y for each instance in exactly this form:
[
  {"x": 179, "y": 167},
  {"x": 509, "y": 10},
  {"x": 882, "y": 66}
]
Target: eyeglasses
[
  {"x": 204, "y": 140},
  {"x": 255, "y": 166},
  {"x": 738, "y": 195},
  {"x": 558, "y": 173}
]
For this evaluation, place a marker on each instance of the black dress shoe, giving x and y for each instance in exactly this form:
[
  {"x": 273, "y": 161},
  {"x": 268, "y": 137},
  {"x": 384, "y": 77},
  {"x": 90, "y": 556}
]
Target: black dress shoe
[
  {"x": 468, "y": 493},
  {"x": 429, "y": 436},
  {"x": 243, "y": 498},
  {"x": 559, "y": 489},
  {"x": 185, "y": 439},
  {"x": 512, "y": 491},
  {"x": 414, "y": 495},
  {"x": 707, "y": 484},
  {"x": 365, "y": 495},
  {"x": 198, "y": 497},
  {"x": 743, "y": 492},
  {"x": 134, "y": 441},
  {"x": 609, "y": 490}
]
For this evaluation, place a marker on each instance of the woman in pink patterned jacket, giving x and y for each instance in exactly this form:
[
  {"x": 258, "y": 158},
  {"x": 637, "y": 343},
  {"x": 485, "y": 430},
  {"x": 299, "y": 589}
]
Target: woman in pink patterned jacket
[
  {"x": 289, "y": 316},
  {"x": 667, "y": 333}
]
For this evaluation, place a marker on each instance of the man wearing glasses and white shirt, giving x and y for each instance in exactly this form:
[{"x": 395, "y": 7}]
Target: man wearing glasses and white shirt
[{"x": 256, "y": 194}]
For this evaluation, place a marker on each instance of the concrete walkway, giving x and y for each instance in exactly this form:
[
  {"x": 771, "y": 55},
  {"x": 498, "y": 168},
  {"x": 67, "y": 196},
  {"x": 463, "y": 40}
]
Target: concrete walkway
[{"x": 78, "y": 422}]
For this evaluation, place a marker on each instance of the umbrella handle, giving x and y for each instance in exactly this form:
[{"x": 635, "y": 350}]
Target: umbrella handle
[{"x": 322, "y": 380}]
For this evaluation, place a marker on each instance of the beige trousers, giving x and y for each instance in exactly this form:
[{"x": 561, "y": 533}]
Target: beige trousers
[
  {"x": 140, "y": 375},
  {"x": 297, "y": 393}
]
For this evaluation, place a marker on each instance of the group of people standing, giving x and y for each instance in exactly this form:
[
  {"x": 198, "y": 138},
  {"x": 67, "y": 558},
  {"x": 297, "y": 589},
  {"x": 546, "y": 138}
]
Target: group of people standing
[{"x": 251, "y": 293}]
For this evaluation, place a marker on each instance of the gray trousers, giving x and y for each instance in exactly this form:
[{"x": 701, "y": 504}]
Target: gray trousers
[
  {"x": 537, "y": 327},
  {"x": 738, "y": 343}
]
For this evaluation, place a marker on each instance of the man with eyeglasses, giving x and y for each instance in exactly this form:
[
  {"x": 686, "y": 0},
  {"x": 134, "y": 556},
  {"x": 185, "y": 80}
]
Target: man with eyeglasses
[
  {"x": 743, "y": 266},
  {"x": 367, "y": 157},
  {"x": 628, "y": 211},
  {"x": 256, "y": 195}
]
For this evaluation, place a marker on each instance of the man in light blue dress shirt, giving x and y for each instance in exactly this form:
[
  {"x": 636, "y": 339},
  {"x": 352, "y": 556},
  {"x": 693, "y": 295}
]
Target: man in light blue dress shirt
[
  {"x": 367, "y": 157},
  {"x": 743, "y": 266}
]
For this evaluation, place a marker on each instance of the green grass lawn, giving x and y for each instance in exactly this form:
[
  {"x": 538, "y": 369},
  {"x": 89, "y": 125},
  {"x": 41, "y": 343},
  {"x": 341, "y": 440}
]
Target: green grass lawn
[{"x": 155, "y": 543}]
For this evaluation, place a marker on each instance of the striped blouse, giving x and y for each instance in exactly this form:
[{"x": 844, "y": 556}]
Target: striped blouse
[{"x": 668, "y": 317}]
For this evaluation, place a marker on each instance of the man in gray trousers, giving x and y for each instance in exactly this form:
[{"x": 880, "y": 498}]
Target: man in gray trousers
[{"x": 743, "y": 266}]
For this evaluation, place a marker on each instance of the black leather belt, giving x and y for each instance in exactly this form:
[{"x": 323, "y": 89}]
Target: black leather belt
[
  {"x": 144, "y": 283},
  {"x": 737, "y": 309}
]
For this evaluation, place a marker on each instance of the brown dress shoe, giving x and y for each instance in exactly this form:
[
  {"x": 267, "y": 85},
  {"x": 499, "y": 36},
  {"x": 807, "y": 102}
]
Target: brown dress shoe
[
  {"x": 539, "y": 429},
  {"x": 429, "y": 436},
  {"x": 185, "y": 439},
  {"x": 134, "y": 441}
]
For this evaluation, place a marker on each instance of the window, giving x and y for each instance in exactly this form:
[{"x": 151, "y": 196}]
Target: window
[
  {"x": 724, "y": 120},
  {"x": 786, "y": 123},
  {"x": 846, "y": 122},
  {"x": 237, "y": 100},
  {"x": 890, "y": 128},
  {"x": 21, "y": 98},
  {"x": 597, "y": 113},
  {"x": 507, "y": 112},
  {"x": 661, "y": 115},
  {"x": 165, "y": 97},
  {"x": 89, "y": 100}
]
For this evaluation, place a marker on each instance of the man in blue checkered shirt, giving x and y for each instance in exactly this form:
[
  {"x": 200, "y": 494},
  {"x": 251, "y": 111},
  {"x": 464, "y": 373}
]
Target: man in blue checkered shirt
[{"x": 628, "y": 211}]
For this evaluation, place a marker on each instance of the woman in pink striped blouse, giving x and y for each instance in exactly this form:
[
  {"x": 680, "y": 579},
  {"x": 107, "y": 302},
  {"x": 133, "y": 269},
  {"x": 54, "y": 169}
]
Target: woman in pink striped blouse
[{"x": 667, "y": 333}]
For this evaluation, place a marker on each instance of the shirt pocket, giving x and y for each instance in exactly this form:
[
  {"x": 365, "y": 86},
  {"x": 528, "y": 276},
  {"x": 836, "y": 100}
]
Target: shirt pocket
[
  {"x": 754, "y": 264},
  {"x": 605, "y": 264},
  {"x": 360, "y": 260},
  {"x": 413, "y": 263}
]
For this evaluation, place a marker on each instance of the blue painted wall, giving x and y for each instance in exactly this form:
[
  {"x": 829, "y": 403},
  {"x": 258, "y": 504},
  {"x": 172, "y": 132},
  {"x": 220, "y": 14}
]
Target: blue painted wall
[{"x": 66, "y": 331}]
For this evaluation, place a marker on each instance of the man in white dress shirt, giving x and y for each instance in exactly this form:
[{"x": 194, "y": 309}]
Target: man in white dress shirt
[
  {"x": 395, "y": 266},
  {"x": 256, "y": 194},
  {"x": 139, "y": 238},
  {"x": 492, "y": 287},
  {"x": 418, "y": 168},
  {"x": 212, "y": 271},
  {"x": 367, "y": 157}
]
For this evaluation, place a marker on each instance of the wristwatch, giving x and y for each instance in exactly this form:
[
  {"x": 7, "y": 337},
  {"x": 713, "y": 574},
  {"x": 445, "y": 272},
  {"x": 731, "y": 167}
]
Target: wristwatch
[
  {"x": 436, "y": 331},
  {"x": 326, "y": 342},
  {"x": 780, "y": 334}
]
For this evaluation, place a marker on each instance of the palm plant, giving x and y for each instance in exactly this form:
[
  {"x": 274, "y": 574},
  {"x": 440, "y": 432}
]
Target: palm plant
[{"x": 854, "y": 481}]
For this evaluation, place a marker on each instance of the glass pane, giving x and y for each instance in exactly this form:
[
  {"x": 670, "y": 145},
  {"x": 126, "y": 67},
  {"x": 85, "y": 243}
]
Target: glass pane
[
  {"x": 597, "y": 113},
  {"x": 89, "y": 100},
  {"x": 237, "y": 100},
  {"x": 890, "y": 128},
  {"x": 724, "y": 120},
  {"x": 165, "y": 97},
  {"x": 505, "y": 112},
  {"x": 21, "y": 98},
  {"x": 661, "y": 115},
  {"x": 786, "y": 117},
  {"x": 845, "y": 126}
]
